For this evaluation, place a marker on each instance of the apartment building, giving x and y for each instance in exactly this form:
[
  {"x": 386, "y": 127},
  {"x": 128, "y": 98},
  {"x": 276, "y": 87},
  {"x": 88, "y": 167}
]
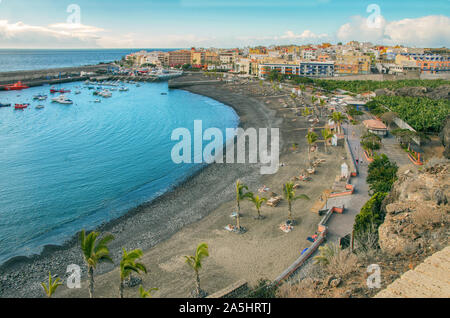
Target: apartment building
[
  {"x": 181, "y": 57},
  {"x": 307, "y": 69}
]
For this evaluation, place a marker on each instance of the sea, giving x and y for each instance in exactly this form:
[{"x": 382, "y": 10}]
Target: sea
[
  {"x": 31, "y": 59},
  {"x": 69, "y": 167}
]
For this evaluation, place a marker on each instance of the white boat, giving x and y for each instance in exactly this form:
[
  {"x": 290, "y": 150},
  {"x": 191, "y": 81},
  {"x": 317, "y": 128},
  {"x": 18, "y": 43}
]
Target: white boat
[
  {"x": 77, "y": 92},
  {"x": 40, "y": 106},
  {"x": 123, "y": 89},
  {"x": 61, "y": 99}
]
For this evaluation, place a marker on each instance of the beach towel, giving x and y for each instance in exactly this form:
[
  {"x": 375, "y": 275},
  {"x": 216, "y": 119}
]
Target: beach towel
[
  {"x": 310, "y": 239},
  {"x": 304, "y": 251}
]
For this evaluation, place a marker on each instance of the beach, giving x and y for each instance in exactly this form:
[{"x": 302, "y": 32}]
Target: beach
[{"x": 196, "y": 211}]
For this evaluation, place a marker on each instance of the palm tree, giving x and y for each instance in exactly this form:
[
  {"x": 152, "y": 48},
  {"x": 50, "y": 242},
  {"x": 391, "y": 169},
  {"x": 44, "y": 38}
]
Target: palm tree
[
  {"x": 195, "y": 262},
  {"x": 311, "y": 138},
  {"x": 257, "y": 201},
  {"x": 146, "y": 293},
  {"x": 326, "y": 135},
  {"x": 128, "y": 265},
  {"x": 93, "y": 253},
  {"x": 326, "y": 252},
  {"x": 337, "y": 118},
  {"x": 289, "y": 195},
  {"x": 240, "y": 195},
  {"x": 52, "y": 285}
]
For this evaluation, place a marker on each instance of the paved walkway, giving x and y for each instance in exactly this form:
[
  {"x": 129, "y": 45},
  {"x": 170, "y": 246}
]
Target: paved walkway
[
  {"x": 429, "y": 279},
  {"x": 340, "y": 225},
  {"x": 392, "y": 149}
]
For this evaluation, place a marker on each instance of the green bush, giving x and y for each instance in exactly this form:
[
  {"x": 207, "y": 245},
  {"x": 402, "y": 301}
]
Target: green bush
[
  {"x": 371, "y": 216},
  {"x": 382, "y": 174}
]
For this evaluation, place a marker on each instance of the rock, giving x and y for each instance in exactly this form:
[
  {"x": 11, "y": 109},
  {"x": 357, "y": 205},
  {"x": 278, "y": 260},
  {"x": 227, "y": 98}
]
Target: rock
[
  {"x": 439, "y": 197},
  {"x": 327, "y": 280},
  {"x": 335, "y": 282}
]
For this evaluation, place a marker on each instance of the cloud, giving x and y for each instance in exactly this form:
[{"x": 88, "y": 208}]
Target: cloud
[
  {"x": 21, "y": 35},
  {"x": 428, "y": 31},
  {"x": 306, "y": 35}
]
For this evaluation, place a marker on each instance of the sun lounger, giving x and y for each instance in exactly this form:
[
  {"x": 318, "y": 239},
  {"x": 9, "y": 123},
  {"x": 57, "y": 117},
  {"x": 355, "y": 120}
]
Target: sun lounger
[
  {"x": 230, "y": 228},
  {"x": 274, "y": 201},
  {"x": 286, "y": 228}
]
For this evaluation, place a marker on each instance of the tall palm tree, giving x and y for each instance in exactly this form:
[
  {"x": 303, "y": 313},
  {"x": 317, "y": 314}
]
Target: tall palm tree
[
  {"x": 257, "y": 201},
  {"x": 338, "y": 118},
  {"x": 52, "y": 285},
  {"x": 240, "y": 195},
  {"x": 146, "y": 293},
  {"x": 128, "y": 265},
  {"x": 326, "y": 135},
  {"x": 289, "y": 195},
  {"x": 94, "y": 252},
  {"x": 195, "y": 262},
  {"x": 311, "y": 138}
]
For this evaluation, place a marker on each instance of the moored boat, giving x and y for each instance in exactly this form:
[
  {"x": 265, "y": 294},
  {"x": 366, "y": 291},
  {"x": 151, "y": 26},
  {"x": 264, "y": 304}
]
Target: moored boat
[
  {"x": 5, "y": 105},
  {"x": 21, "y": 106},
  {"x": 15, "y": 87}
]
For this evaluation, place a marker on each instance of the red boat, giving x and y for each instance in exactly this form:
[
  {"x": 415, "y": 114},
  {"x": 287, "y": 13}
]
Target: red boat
[
  {"x": 21, "y": 106},
  {"x": 53, "y": 90},
  {"x": 15, "y": 87}
]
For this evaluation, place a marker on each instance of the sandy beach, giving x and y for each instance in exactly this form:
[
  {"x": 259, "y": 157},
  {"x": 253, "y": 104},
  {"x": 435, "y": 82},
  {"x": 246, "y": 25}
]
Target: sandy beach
[{"x": 196, "y": 211}]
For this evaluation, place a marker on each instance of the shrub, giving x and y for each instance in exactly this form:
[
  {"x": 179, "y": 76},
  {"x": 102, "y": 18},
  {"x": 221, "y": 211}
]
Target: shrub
[
  {"x": 382, "y": 174},
  {"x": 371, "y": 215}
]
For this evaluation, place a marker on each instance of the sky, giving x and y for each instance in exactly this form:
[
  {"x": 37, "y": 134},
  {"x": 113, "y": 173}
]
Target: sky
[{"x": 220, "y": 23}]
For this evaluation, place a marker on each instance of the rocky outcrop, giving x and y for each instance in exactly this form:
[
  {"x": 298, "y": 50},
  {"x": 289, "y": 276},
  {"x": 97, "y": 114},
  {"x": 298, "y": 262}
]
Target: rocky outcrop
[{"x": 416, "y": 210}]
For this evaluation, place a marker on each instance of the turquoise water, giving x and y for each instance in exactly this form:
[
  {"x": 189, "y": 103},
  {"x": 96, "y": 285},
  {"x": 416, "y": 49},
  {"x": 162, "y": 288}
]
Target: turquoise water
[{"x": 68, "y": 167}]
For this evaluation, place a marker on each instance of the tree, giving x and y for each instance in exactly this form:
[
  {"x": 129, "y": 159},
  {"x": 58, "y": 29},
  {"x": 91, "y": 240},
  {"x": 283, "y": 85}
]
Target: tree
[
  {"x": 311, "y": 138},
  {"x": 326, "y": 252},
  {"x": 128, "y": 265},
  {"x": 52, "y": 285},
  {"x": 326, "y": 135},
  {"x": 93, "y": 253},
  {"x": 257, "y": 201},
  {"x": 240, "y": 195},
  {"x": 337, "y": 118},
  {"x": 195, "y": 262},
  {"x": 370, "y": 142},
  {"x": 369, "y": 218},
  {"x": 289, "y": 195},
  {"x": 382, "y": 174},
  {"x": 146, "y": 293}
]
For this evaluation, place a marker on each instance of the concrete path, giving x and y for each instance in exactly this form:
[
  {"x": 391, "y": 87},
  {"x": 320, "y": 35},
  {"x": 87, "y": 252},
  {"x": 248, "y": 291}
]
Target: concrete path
[
  {"x": 392, "y": 149},
  {"x": 431, "y": 279},
  {"x": 340, "y": 225}
]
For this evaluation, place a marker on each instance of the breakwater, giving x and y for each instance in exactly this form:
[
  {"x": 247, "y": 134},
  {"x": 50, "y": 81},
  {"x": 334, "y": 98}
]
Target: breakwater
[{"x": 54, "y": 76}]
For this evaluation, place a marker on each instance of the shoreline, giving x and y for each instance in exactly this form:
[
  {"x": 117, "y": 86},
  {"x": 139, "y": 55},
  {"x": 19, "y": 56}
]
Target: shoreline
[{"x": 17, "y": 270}]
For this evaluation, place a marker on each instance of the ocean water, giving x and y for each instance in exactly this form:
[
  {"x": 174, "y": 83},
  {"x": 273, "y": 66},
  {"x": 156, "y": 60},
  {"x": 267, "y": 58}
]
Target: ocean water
[
  {"x": 18, "y": 60},
  {"x": 68, "y": 167}
]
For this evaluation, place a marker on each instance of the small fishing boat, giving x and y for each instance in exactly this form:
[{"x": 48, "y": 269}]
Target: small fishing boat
[
  {"x": 77, "y": 92},
  {"x": 61, "y": 99},
  {"x": 40, "y": 97},
  {"x": 54, "y": 90},
  {"x": 40, "y": 106},
  {"x": 21, "y": 106},
  {"x": 5, "y": 105},
  {"x": 97, "y": 101},
  {"x": 15, "y": 87},
  {"x": 123, "y": 89}
]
